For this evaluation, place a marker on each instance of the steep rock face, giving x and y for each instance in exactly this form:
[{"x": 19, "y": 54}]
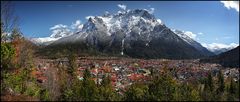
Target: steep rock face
[{"x": 135, "y": 33}]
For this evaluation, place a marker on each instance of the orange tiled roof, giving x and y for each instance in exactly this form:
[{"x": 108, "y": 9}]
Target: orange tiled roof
[
  {"x": 135, "y": 77},
  {"x": 36, "y": 73}
]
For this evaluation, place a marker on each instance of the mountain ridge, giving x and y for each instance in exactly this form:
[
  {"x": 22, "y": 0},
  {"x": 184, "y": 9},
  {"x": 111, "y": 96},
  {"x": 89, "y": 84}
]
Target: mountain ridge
[{"x": 136, "y": 33}]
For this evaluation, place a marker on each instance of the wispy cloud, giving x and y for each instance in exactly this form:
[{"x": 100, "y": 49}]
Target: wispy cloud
[
  {"x": 151, "y": 10},
  {"x": 190, "y": 34},
  {"x": 58, "y": 26},
  {"x": 121, "y": 6},
  {"x": 187, "y": 33},
  {"x": 200, "y": 33},
  {"x": 231, "y": 4},
  {"x": 77, "y": 25},
  {"x": 60, "y": 30}
]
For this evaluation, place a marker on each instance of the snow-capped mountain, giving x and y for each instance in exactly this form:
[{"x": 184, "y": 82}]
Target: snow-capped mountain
[
  {"x": 220, "y": 50},
  {"x": 135, "y": 33},
  {"x": 192, "y": 42},
  {"x": 44, "y": 40},
  {"x": 139, "y": 21}
]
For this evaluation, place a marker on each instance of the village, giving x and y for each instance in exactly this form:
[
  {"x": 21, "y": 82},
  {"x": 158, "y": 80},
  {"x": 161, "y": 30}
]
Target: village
[{"x": 126, "y": 71}]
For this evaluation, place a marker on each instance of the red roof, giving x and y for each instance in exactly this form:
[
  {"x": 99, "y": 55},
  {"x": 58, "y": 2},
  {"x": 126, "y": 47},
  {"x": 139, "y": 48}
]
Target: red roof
[
  {"x": 81, "y": 68},
  {"x": 114, "y": 78},
  {"x": 135, "y": 77},
  {"x": 36, "y": 73},
  {"x": 113, "y": 83},
  {"x": 107, "y": 69},
  {"x": 132, "y": 68},
  {"x": 94, "y": 71}
]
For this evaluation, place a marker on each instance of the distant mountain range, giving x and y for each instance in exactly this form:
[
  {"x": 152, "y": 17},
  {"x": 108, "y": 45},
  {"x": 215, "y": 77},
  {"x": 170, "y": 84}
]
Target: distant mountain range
[
  {"x": 219, "y": 48},
  {"x": 228, "y": 59},
  {"x": 135, "y": 33}
]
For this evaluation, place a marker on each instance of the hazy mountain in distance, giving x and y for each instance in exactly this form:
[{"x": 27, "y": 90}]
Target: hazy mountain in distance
[
  {"x": 219, "y": 48},
  {"x": 229, "y": 58}
]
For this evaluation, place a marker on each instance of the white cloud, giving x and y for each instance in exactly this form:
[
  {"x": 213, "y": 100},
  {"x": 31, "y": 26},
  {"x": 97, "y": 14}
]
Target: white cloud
[
  {"x": 186, "y": 33},
  {"x": 119, "y": 12},
  {"x": 200, "y": 33},
  {"x": 231, "y": 4},
  {"x": 159, "y": 20},
  {"x": 60, "y": 30},
  {"x": 190, "y": 34},
  {"x": 151, "y": 11},
  {"x": 77, "y": 26},
  {"x": 217, "y": 46},
  {"x": 121, "y": 6},
  {"x": 89, "y": 17},
  {"x": 58, "y": 26}
]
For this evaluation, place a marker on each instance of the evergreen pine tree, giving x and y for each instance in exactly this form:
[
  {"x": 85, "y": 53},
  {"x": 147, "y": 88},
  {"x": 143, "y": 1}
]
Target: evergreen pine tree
[{"x": 221, "y": 86}]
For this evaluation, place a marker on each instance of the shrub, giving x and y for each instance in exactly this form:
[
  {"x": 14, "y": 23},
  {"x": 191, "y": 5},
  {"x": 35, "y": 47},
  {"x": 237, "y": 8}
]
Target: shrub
[{"x": 7, "y": 55}]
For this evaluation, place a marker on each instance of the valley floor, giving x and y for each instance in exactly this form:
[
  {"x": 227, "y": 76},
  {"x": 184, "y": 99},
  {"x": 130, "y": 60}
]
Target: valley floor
[
  {"x": 123, "y": 73},
  {"x": 126, "y": 71}
]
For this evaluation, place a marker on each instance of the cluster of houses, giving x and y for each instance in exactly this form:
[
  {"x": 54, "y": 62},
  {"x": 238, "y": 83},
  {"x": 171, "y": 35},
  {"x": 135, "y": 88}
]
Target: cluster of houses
[
  {"x": 39, "y": 73},
  {"x": 124, "y": 72}
]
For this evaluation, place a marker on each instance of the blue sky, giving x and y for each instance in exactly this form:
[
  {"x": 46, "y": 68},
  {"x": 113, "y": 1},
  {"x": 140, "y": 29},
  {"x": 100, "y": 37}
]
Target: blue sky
[{"x": 209, "y": 21}]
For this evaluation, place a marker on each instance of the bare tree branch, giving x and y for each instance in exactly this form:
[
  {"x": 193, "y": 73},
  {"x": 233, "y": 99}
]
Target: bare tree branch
[{"x": 8, "y": 19}]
